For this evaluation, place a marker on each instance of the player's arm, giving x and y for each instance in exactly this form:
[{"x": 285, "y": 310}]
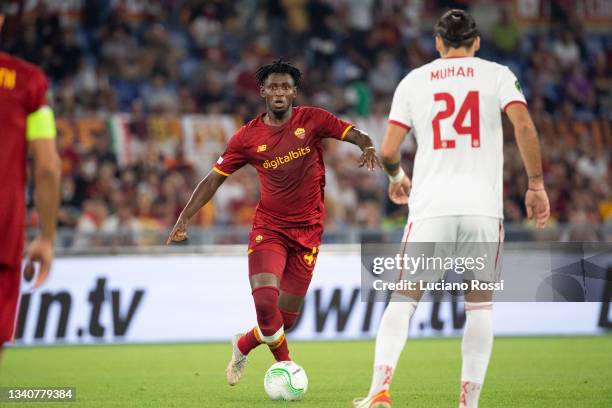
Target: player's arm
[
  {"x": 329, "y": 125},
  {"x": 361, "y": 139},
  {"x": 46, "y": 170},
  {"x": 231, "y": 160},
  {"x": 200, "y": 197},
  {"x": 536, "y": 199},
  {"x": 399, "y": 183}
]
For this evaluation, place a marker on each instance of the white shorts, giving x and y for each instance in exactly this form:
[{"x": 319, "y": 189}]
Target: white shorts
[
  {"x": 458, "y": 228},
  {"x": 460, "y": 237}
]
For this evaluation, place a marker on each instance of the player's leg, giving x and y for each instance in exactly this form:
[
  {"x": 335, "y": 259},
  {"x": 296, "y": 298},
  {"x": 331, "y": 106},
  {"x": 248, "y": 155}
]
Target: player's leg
[
  {"x": 267, "y": 258},
  {"x": 478, "y": 235},
  {"x": 476, "y": 346},
  {"x": 290, "y": 306},
  {"x": 9, "y": 296},
  {"x": 294, "y": 285},
  {"x": 265, "y": 292},
  {"x": 302, "y": 256},
  {"x": 270, "y": 325},
  {"x": 301, "y": 261},
  {"x": 393, "y": 329},
  {"x": 269, "y": 329},
  {"x": 390, "y": 341}
]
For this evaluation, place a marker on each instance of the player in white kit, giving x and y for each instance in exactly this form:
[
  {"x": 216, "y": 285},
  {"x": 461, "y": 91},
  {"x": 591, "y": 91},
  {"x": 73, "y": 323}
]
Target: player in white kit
[{"x": 454, "y": 105}]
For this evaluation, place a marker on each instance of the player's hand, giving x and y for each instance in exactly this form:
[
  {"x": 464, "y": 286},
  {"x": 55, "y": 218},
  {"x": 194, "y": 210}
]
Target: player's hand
[
  {"x": 370, "y": 158},
  {"x": 179, "y": 232},
  {"x": 399, "y": 192},
  {"x": 40, "y": 250},
  {"x": 536, "y": 203}
]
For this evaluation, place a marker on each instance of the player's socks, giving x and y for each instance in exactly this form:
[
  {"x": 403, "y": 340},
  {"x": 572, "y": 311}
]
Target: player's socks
[
  {"x": 470, "y": 393},
  {"x": 277, "y": 344},
  {"x": 390, "y": 341},
  {"x": 252, "y": 338},
  {"x": 248, "y": 341},
  {"x": 279, "y": 347},
  {"x": 270, "y": 322},
  {"x": 289, "y": 318},
  {"x": 476, "y": 351}
]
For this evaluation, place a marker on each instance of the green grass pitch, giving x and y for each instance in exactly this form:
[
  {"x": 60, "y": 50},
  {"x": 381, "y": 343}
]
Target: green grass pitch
[{"x": 524, "y": 372}]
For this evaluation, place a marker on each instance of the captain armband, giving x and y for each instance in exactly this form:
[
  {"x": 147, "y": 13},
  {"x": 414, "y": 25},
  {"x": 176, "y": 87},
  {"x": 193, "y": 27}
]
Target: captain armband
[{"x": 41, "y": 124}]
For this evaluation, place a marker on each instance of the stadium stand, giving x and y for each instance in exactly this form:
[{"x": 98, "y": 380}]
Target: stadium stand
[{"x": 166, "y": 60}]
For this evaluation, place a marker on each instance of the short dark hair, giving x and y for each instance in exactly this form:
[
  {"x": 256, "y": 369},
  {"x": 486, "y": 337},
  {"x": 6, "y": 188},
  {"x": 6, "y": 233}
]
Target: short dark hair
[
  {"x": 278, "y": 67},
  {"x": 457, "y": 29}
]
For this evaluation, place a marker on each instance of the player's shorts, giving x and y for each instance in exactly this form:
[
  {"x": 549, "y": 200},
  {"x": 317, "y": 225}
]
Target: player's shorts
[
  {"x": 290, "y": 254},
  {"x": 10, "y": 278},
  {"x": 461, "y": 238}
]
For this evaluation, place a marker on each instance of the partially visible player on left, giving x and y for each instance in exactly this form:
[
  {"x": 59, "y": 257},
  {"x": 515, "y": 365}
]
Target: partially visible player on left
[{"x": 26, "y": 124}]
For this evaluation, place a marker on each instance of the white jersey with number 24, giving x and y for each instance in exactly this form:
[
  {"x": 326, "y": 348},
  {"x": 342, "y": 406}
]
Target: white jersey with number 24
[{"x": 454, "y": 106}]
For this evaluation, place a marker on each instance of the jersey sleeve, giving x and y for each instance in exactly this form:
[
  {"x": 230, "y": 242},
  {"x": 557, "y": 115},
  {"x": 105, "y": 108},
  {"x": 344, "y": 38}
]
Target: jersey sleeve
[
  {"x": 400, "y": 113},
  {"x": 509, "y": 90},
  {"x": 330, "y": 125},
  {"x": 40, "y": 121},
  {"x": 233, "y": 158},
  {"x": 37, "y": 91}
]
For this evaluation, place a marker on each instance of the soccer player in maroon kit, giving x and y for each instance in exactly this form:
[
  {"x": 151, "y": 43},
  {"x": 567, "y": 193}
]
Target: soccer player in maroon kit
[
  {"x": 26, "y": 124},
  {"x": 285, "y": 147}
]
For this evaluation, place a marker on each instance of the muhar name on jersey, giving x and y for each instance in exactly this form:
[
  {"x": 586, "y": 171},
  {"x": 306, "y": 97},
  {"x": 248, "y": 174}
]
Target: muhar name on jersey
[{"x": 449, "y": 72}]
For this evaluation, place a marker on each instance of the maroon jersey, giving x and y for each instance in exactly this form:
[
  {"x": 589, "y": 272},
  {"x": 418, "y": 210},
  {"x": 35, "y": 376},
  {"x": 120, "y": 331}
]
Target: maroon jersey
[
  {"x": 23, "y": 89},
  {"x": 289, "y": 162}
]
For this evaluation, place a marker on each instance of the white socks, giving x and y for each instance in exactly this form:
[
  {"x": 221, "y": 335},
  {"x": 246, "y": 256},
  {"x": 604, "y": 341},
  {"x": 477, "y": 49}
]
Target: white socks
[
  {"x": 476, "y": 351},
  {"x": 470, "y": 393},
  {"x": 390, "y": 341},
  {"x": 475, "y": 348}
]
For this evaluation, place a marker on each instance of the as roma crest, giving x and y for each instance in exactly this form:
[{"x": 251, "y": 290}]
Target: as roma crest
[{"x": 300, "y": 133}]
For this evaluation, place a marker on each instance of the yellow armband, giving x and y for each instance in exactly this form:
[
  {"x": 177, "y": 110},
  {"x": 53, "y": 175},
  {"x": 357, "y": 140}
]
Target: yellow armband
[{"x": 41, "y": 124}]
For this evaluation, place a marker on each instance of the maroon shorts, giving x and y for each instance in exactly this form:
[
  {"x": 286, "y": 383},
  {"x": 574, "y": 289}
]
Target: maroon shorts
[
  {"x": 10, "y": 278},
  {"x": 290, "y": 254}
]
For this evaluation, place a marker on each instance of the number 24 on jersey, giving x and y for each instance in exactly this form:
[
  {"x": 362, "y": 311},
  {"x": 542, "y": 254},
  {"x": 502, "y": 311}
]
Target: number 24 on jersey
[{"x": 470, "y": 107}]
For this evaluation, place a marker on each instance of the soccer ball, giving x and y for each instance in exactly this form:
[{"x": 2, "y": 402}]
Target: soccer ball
[{"x": 286, "y": 380}]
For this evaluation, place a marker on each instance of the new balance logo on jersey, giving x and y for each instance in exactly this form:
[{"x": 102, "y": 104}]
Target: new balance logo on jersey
[
  {"x": 452, "y": 72},
  {"x": 261, "y": 148},
  {"x": 289, "y": 156}
]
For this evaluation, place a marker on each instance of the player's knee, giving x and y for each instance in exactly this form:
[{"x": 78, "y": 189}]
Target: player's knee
[{"x": 266, "y": 302}]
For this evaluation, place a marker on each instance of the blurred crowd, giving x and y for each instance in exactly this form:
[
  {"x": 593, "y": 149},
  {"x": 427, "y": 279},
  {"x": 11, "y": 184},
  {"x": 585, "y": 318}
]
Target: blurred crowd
[{"x": 194, "y": 56}]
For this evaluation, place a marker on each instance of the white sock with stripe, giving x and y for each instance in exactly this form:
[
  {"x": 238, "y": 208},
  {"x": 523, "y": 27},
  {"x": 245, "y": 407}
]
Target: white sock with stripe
[
  {"x": 390, "y": 341},
  {"x": 476, "y": 351}
]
